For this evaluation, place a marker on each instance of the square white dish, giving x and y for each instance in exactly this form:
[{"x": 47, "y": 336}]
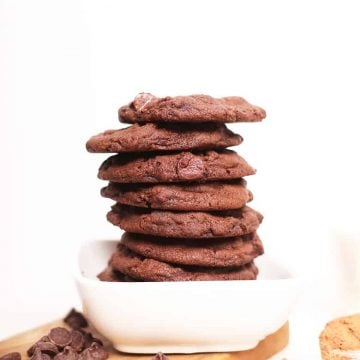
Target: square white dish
[{"x": 184, "y": 317}]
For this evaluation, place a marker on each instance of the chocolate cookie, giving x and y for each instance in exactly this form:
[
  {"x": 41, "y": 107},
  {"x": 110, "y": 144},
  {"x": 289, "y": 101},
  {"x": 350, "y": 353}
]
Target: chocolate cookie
[
  {"x": 151, "y": 137},
  {"x": 183, "y": 166},
  {"x": 189, "y": 224},
  {"x": 227, "y": 252},
  {"x": 193, "y": 108},
  {"x": 129, "y": 263},
  {"x": 187, "y": 196},
  {"x": 111, "y": 275}
]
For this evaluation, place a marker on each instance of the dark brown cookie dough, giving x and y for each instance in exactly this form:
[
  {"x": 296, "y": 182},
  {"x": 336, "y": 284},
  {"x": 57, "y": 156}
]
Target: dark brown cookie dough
[
  {"x": 189, "y": 224},
  {"x": 227, "y": 252},
  {"x": 194, "y": 108},
  {"x": 111, "y": 275},
  {"x": 131, "y": 264},
  {"x": 185, "y": 196},
  {"x": 176, "y": 167},
  {"x": 164, "y": 137}
]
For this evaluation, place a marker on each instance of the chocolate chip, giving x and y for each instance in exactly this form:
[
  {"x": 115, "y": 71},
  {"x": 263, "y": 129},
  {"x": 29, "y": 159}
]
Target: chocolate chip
[
  {"x": 77, "y": 340},
  {"x": 94, "y": 352},
  {"x": 75, "y": 320},
  {"x": 11, "y": 356},
  {"x": 45, "y": 347},
  {"x": 160, "y": 356},
  {"x": 60, "y": 337},
  {"x": 67, "y": 354},
  {"x": 39, "y": 355},
  {"x": 190, "y": 167},
  {"x": 89, "y": 339}
]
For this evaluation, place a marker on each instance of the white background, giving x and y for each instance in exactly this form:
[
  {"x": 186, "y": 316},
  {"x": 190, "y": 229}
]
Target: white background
[{"x": 66, "y": 66}]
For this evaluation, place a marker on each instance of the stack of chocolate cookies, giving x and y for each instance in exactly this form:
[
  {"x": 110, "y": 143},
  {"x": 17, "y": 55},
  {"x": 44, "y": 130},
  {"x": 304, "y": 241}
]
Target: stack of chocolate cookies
[{"x": 180, "y": 195}]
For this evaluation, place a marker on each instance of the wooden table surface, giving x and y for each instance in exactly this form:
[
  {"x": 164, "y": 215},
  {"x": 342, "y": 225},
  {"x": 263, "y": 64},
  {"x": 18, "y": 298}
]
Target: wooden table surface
[{"x": 265, "y": 349}]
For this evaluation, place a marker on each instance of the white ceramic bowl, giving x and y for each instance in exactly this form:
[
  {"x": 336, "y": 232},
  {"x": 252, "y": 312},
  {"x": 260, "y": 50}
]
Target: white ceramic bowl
[{"x": 184, "y": 317}]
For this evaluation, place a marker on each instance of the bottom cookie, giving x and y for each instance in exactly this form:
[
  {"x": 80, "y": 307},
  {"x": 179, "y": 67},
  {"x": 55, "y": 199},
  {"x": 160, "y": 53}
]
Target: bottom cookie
[
  {"x": 111, "y": 275},
  {"x": 129, "y": 263}
]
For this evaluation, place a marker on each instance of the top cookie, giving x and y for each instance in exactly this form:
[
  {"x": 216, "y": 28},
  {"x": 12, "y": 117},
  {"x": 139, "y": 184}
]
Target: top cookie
[
  {"x": 161, "y": 136},
  {"x": 194, "y": 108}
]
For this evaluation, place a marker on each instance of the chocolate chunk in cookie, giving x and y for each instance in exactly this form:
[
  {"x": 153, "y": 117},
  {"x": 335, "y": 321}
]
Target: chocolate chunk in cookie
[{"x": 194, "y": 108}]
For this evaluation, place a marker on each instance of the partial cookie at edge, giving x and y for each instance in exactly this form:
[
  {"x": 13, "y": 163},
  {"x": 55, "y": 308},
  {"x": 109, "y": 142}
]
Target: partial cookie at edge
[{"x": 339, "y": 336}]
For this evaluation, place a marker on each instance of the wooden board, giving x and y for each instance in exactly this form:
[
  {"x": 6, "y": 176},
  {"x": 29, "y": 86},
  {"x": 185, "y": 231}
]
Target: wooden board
[{"x": 265, "y": 349}]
